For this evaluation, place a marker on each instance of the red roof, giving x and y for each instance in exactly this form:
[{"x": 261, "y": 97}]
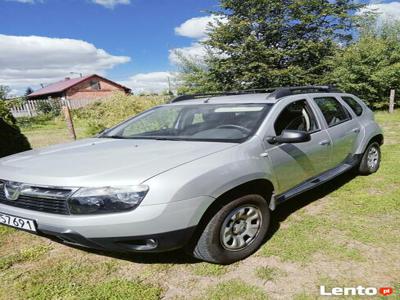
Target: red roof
[{"x": 65, "y": 84}]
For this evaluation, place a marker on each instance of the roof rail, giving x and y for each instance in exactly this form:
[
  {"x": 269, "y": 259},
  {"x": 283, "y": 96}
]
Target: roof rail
[
  {"x": 294, "y": 90},
  {"x": 214, "y": 94},
  {"x": 273, "y": 93}
]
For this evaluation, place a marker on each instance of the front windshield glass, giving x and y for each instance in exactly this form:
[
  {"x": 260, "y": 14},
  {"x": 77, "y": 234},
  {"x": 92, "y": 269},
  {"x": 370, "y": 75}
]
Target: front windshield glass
[{"x": 206, "y": 122}]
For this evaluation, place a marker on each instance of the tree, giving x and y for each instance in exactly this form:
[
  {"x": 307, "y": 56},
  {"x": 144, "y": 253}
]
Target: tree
[
  {"x": 11, "y": 139},
  {"x": 28, "y": 91},
  {"x": 194, "y": 76},
  {"x": 4, "y": 92},
  {"x": 370, "y": 67},
  {"x": 266, "y": 43}
]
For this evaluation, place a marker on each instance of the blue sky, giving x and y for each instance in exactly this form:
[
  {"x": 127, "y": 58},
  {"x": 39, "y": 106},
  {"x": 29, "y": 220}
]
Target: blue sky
[
  {"x": 143, "y": 30},
  {"x": 130, "y": 41}
]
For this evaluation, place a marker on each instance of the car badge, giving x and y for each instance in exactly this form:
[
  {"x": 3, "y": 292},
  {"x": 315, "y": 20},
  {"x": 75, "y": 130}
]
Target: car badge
[{"x": 12, "y": 190}]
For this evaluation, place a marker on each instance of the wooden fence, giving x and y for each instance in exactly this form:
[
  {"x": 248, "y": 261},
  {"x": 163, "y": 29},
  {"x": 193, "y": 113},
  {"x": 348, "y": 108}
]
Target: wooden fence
[{"x": 30, "y": 108}]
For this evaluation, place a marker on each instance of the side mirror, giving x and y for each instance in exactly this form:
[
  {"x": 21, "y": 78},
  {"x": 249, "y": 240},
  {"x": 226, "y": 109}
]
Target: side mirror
[{"x": 290, "y": 136}]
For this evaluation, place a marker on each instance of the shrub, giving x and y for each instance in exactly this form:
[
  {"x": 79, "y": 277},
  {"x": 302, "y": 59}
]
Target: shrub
[
  {"x": 5, "y": 112},
  {"x": 111, "y": 111},
  {"x": 11, "y": 139},
  {"x": 50, "y": 107},
  {"x": 35, "y": 121}
]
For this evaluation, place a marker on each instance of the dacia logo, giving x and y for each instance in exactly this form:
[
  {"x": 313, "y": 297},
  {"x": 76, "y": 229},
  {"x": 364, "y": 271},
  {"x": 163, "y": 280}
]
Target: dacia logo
[{"x": 12, "y": 190}]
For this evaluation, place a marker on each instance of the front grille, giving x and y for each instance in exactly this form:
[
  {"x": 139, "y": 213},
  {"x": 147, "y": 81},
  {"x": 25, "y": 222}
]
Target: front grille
[{"x": 55, "y": 206}]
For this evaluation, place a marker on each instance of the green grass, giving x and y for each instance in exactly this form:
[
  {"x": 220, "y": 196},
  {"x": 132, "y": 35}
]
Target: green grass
[
  {"x": 108, "y": 289},
  {"x": 305, "y": 237},
  {"x": 26, "y": 255},
  {"x": 5, "y": 231},
  {"x": 53, "y": 131},
  {"x": 268, "y": 273},
  {"x": 78, "y": 280},
  {"x": 122, "y": 289},
  {"x": 206, "y": 269},
  {"x": 157, "y": 268},
  {"x": 303, "y": 296},
  {"x": 235, "y": 289}
]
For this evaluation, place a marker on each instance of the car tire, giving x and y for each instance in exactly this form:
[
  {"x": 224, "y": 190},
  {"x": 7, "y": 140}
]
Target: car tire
[
  {"x": 235, "y": 231},
  {"x": 370, "y": 160}
]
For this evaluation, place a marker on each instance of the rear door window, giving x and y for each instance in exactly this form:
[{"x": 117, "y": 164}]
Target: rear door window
[
  {"x": 354, "y": 105},
  {"x": 334, "y": 112}
]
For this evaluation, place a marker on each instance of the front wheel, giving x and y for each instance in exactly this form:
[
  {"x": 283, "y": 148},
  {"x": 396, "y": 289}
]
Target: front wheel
[
  {"x": 236, "y": 231},
  {"x": 371, "y": 159}
]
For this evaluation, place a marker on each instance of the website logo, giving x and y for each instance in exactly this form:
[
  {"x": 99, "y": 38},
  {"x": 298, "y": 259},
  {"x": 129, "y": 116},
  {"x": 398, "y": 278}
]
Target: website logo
[{"x": 355, "y": 291}]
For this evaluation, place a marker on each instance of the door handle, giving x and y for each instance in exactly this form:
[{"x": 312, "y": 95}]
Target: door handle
[
  {"x": 324, "y": 143},
  {"x": 356, "y": 130}
]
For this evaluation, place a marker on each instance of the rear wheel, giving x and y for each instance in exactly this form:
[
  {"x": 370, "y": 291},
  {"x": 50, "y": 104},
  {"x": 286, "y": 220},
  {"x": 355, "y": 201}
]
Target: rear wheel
[
  {"x": 371, "y": 159},
  {"x": 236, "y": 231}
]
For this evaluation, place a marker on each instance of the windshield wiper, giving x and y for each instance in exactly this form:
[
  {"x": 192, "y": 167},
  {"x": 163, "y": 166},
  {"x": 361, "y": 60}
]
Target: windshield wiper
[
  {"x": 149, "y": 137},
  {"x": 166, "y": 139},
  {"x": 114, "y": 137},
  {"x": 139, "y": 138}
]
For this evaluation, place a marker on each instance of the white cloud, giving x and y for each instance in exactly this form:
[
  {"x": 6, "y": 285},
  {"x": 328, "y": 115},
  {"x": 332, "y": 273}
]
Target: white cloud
[
  {"x": 387, "y": 11},
  {"x": 195, "y": 51},
  {"x": 150, "y": 82},
  {"x": 197, "y": 27},
  {"x": 31, "y": 60},
  {"x": 111, "y": 3}
]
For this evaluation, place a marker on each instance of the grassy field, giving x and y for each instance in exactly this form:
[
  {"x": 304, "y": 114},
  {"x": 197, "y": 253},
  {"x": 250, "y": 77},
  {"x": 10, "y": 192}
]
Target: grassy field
[
  {"x": 345, "y": 233},
  {"x": 52, "y": 132}
]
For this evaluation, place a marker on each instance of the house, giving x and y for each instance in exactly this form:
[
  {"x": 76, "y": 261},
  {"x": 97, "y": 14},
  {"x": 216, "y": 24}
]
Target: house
[{"x": 81, "y": 90}]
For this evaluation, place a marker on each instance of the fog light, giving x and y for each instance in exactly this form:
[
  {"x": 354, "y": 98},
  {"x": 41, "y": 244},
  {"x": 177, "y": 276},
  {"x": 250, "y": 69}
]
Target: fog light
[
  {"x": 140, "y": 245},
  {"x": 152, "y": 243}
]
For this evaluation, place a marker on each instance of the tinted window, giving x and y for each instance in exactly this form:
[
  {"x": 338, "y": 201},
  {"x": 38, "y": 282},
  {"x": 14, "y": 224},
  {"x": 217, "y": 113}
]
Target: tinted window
[
  {"x": 333, "y": 111},
  {"x": 296, "y": 116},
  {"x": 355, "y": 106}
]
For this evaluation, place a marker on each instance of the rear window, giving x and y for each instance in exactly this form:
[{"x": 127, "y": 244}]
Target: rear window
[{"x": 354, "y": 105}]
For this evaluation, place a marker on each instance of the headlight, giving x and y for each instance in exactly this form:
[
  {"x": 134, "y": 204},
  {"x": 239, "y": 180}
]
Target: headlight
[{"x": 106, "y": 199}]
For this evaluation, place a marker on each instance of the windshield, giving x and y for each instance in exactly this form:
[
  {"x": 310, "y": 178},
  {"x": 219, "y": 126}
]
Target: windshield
[{"x": 206, "y": 122}]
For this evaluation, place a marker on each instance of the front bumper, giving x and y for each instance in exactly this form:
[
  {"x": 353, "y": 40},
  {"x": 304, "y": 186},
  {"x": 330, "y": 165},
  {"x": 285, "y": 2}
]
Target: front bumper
[
  {"x": 147, "y": 228},
  {"x": 148, "y": 243}
]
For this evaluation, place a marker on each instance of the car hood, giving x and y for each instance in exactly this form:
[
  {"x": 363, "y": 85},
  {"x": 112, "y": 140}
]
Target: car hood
[{"x": 103, "y": 161}]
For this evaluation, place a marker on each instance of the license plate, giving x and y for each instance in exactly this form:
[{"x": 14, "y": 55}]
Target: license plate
[{"x": 17, "y": 222}]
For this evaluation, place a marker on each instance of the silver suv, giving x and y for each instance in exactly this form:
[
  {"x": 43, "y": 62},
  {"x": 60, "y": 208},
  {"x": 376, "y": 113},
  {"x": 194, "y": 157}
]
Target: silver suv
[{"x": 203, "y": 172}]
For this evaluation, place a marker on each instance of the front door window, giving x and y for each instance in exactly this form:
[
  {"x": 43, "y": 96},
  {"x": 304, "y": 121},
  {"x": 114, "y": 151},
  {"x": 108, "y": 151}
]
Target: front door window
[{"x": 296, "y": 116}]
